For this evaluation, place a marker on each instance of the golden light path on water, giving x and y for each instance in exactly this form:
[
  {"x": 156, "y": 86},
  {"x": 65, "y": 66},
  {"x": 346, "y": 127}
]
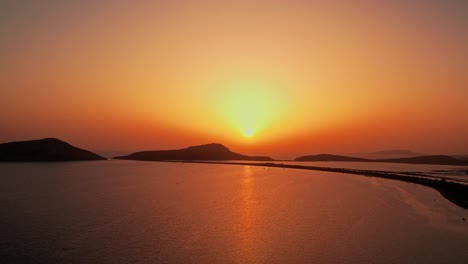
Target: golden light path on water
[{"x": 247, "y": 226}]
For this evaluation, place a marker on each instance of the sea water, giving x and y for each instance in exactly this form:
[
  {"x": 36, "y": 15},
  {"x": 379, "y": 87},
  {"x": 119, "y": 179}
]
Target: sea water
[{"x": 155, "y": 212}]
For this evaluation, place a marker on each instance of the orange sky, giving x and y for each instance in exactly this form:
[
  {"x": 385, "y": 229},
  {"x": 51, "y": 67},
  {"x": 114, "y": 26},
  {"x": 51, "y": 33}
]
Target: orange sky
[{"x": 261, "y": 77}]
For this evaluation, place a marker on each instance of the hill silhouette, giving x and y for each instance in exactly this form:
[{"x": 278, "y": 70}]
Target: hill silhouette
[
  {"x": 428, "y": 159},
  {"x": 387, "y": 154},
  {"x": 462, "y": 157},
  {"x": 213, "y": 151},
  {"x": 47, "y": 149},
  {"x": 395, "y": 152}
]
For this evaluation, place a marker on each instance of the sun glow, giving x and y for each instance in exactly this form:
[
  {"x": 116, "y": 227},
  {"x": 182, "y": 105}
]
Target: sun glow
[
  {"x": 249, "y": 107},
  {"x": 248, "y": 133}
]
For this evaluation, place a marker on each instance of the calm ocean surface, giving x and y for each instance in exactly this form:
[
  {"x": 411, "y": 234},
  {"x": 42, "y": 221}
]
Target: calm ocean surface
[{"x": 151, "y": 212}]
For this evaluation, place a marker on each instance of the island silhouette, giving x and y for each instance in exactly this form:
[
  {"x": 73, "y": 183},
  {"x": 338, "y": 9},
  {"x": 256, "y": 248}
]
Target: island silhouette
[
  {"x": 387, "y": 154},
  {"x": 394, "y": 152},
  {"x": 213, "y": 151},
  {"x": 55, "y": 150},
  {"x": 44, "y": 150},
  {"x": 426, "y": 159}
]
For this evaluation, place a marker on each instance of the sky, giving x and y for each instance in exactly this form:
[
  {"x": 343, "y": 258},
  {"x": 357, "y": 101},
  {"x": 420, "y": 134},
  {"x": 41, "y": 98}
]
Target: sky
[{"x": 278, "y": 78}]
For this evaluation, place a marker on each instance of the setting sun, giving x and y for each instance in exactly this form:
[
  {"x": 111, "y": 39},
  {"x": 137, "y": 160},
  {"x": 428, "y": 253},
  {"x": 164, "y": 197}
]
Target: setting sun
[
  {"x": 249, "y": 106},
  {"x": 248, "y": 133}
]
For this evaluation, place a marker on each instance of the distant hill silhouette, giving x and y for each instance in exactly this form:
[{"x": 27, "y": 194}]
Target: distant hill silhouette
[
  {"x": 47, "y": 149},
  {"x": 328, "y": 157},
  {"x": 395, "y": 152},
  {"x": 212, "y": 151},
  {"x": 461, "y": 157},
  {"x": 388, "y": 154},
  {"x": 428, "y": 159}
]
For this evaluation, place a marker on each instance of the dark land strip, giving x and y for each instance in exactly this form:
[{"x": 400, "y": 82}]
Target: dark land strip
[{"x": 456, "y": 193}]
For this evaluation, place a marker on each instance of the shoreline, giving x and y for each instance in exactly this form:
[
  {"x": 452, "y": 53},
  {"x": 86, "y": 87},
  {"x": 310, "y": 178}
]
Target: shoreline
[{"x": 454, "y": 192}]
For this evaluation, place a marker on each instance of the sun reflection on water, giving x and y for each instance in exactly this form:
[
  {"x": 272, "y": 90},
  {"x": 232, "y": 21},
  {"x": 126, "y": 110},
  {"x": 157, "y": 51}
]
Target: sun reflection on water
[{"x": 248, "y": 217}]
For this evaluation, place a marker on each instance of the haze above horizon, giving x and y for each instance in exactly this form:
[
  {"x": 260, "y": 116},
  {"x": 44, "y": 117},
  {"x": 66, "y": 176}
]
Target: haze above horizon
[{"x": 262, "y": 77}]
